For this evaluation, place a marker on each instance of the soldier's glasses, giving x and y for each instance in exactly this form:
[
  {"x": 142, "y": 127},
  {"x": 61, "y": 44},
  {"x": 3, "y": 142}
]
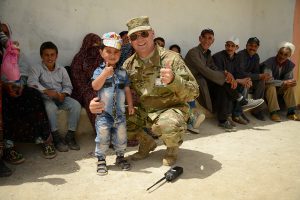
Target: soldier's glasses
[{"x": 143, "y": 34}]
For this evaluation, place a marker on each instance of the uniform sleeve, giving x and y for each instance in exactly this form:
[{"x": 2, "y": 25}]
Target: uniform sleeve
[
  {"x": 66, "y": 82},
  {"x": 184, "y": 83}
]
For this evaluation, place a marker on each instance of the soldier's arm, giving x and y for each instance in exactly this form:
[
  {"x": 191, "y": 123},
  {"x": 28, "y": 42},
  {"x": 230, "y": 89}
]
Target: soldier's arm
[{"x": 184, "y": 84}]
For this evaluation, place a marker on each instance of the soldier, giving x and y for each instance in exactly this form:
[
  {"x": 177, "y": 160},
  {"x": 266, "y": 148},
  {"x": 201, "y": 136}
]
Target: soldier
[{"x": 164, "y": 85}]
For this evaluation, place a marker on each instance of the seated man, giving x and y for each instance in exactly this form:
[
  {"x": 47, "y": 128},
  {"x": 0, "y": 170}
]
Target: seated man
[
  {"x": 250, "y": 68},
  {"x": 217, "y": 88},
  {"x": 227, "y": 60},
  {"x": 54, "y": 82},
  {"x": 282, "y": 82}
]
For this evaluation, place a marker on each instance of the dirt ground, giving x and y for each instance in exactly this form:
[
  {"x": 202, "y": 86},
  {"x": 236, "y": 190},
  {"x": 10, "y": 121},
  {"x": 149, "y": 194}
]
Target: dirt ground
[{"x": 259, "y": 162}]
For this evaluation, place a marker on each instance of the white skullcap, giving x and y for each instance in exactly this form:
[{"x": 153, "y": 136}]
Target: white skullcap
[
  {"x": 234, "y": 39},
  {"x": 287, "y": 45}
]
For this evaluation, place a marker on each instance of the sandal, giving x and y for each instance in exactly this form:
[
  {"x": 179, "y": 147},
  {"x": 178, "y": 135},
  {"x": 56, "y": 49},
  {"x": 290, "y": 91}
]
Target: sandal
[
  {"x": 101, "y": 168},
  {"x": 123, "y": 163},
  {"x": 11, "y": 156},
  {"x": 48, "y": 150}
]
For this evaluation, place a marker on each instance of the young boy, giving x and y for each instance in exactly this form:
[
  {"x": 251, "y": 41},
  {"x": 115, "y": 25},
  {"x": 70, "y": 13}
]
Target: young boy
[
  {"x": 112, "y": 85},
  {"x": 54, "y": 82}
]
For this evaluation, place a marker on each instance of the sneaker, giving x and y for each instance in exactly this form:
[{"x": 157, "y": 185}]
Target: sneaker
[
  {"x": 239, "y": 120},
  {"x": 123, "y": 163},
  {"x": 259, "y": 116},
  {"x": 4, "y": 170},
  {"x": 248, "y": 104},
  {"x": 294, "y": 117},
  {"x": 48, "y": 150},
  {"x": 11, "y": 156},
  {"x": 275, "y": 117},
  {"x": 227, "y": 126}
]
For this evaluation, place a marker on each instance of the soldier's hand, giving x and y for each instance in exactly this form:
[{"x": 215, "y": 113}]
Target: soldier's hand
[
  {"x": 131, "y": 110},
  {"x": 166, "y": 74},
  {"x": 96, "y": 106}
]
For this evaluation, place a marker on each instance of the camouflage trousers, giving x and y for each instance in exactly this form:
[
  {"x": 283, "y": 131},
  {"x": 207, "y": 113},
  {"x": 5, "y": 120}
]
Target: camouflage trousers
[{"x": 169, "y": 124}]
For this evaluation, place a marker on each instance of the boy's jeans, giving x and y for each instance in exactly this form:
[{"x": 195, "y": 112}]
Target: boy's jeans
[
  {"x": 70, "y": 105},
  {"x": 106, "y": 129}
]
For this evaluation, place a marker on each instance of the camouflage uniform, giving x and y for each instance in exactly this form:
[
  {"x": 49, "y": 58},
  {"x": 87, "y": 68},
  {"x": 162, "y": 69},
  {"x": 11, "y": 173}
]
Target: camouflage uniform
[{"x": 164, "y": 109}]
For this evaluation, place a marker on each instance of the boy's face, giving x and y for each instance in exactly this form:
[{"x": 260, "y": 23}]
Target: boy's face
[
  {"x": 110, "y": 55},
  {"x": 49, "y": 57}
]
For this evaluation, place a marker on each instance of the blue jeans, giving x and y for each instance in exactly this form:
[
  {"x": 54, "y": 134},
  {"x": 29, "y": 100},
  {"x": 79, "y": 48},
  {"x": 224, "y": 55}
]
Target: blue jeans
[
  {"x": 69, "y": 104},
  {"x": 106, "y": 128}
]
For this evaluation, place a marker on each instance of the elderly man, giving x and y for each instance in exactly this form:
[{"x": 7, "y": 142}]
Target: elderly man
[
  {"x": 164, "y": 85},
  {"x": 282, "y": 82},
  {"x": 217, "y": 88}
]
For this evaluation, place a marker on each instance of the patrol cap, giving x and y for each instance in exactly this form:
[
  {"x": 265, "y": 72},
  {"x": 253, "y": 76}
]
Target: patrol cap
[
  {"x": 112, "y": 39},
  {"x": 235, "y": 40},
  {"x": 138, "y": 24},
  {"x": 253, "y": 40}
]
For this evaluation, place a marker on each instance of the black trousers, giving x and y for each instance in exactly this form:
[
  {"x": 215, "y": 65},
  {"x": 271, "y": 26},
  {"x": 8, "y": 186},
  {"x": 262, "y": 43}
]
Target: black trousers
[{"x": 222, "y": 97}]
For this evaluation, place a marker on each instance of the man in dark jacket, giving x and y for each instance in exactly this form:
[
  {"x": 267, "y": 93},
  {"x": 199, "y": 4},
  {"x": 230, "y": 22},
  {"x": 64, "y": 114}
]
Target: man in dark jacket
[{"x": 250, "y": 68}]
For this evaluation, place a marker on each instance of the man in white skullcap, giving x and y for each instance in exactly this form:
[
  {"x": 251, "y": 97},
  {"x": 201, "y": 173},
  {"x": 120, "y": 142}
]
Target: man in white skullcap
[{"x": 280, "y": 67}]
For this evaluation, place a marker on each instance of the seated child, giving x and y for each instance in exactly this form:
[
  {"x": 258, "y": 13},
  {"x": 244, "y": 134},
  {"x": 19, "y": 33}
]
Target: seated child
[
  {"x": 112, "y": 85},
  {"x": 54, "y": 82}
]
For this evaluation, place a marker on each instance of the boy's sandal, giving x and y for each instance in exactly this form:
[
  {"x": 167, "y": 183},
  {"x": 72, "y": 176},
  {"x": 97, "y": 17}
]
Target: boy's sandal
[
  {"x": 101, "y": 168},
  {"x": 123, "y": 164}
]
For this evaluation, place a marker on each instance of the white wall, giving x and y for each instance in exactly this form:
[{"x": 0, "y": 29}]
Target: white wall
[{"x": 66, "y": 22}]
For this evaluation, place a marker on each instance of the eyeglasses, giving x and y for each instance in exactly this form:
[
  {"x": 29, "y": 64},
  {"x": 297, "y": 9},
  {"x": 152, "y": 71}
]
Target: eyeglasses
[{"x": 134, "y": 36}]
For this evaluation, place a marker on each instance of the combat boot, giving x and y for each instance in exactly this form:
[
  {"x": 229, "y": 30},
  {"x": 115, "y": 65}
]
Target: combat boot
[
  {"x": 171, "y": 156},
  {"x": 147, "y": 144}
]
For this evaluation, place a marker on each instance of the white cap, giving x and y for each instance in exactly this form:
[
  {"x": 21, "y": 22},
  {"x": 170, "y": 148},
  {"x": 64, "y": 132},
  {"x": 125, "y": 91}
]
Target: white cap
[
  {"x": 287, "y": 45},
  {"x": 234, "y": 39},
  {"x": 112, "y": 39}
]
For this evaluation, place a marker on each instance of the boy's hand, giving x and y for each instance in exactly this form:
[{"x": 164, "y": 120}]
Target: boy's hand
[
  {"x": 108, "y": 70},
  {"x": 61, "y": 97}
]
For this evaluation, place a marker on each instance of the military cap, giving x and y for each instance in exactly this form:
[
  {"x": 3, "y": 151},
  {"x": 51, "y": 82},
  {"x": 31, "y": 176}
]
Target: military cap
[{"x": 138, "y": 24}]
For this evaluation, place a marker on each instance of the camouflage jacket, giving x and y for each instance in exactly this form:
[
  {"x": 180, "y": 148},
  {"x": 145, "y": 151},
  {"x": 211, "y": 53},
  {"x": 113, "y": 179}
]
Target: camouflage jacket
[{"x": 155, "y": 99}]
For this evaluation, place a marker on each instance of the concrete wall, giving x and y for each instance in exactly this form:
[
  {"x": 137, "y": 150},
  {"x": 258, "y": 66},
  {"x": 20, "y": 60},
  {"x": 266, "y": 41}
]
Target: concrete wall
[{"x": 67, "y": 22}]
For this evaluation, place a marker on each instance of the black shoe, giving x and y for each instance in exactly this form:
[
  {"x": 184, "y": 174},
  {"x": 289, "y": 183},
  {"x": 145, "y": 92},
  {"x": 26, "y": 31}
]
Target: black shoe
[
  {"x": 259, "y": 116},
  {"x": 245, "y": 117},
  {"x": 71, "y": 142},
  {"x": 58, "y": 142},
  {"x": 4, "y": 170}
]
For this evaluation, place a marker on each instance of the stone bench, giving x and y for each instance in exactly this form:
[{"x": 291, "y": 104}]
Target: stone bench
[{"x": 84, "y": 125}]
